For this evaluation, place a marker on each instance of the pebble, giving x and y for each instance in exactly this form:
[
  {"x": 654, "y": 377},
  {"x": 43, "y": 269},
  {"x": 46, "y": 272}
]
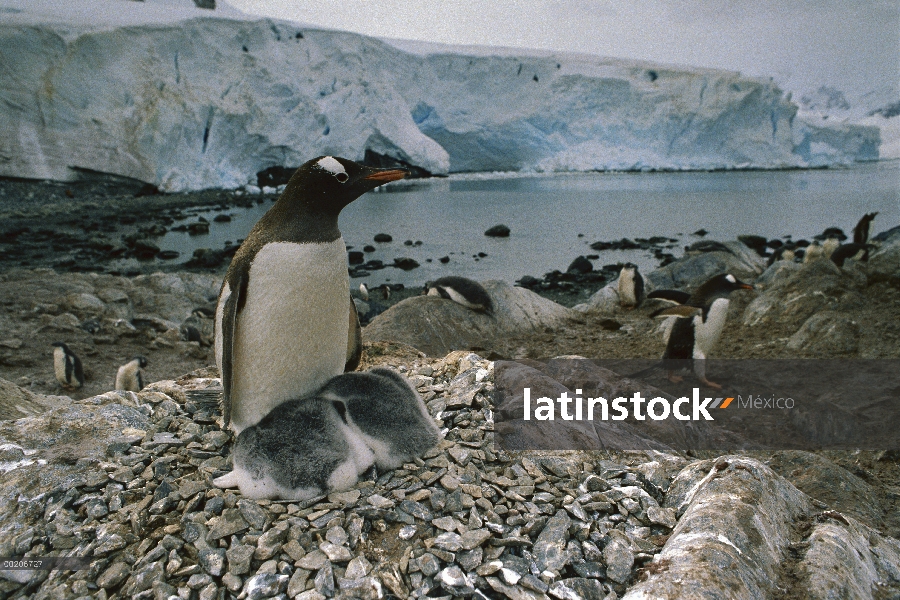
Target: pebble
[{"x": 470, "y": 522}]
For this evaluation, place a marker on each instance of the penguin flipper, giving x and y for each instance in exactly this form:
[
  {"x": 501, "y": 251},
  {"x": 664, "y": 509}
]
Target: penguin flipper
[
  {"x": 676, "y": 296},
  {"x": 681, "y": 311},
  {"x": 638, "y": 289},
  {"x": 229, "y": 330},
  {"x": 354, "y": 340}
]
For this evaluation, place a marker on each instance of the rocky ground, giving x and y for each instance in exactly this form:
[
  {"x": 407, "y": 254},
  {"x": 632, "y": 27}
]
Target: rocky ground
[{"x": 123, "y": 479}]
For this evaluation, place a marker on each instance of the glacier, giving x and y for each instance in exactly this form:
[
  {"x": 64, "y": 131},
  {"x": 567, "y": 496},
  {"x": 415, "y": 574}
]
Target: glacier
[{"x": 190, "y": 99}]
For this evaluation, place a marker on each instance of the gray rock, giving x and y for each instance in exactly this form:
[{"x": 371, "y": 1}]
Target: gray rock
[
  {"x": 265, "y": 585},
  {"x": 690, "y": 271},
  {"x": 550, "y": 546},
  {"x": 114, "y": 574},
  {"x": 324, "y": 580},
  {"x": 255, "y": 516},
  {"x": 455, "y": 581},
  {"x": 619, "y": 560},
  {"x": 826, "y": 333},
  {"x": 732, "y": 537},
  {"x": 577, "y": 588},
  {"x": 16, "y": 402},
  {"x": 884, "y": 263},
  {"x": 436, "y": 326}
]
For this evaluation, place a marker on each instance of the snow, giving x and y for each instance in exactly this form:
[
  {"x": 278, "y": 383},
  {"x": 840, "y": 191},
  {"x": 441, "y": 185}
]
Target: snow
[{"x": 188, "y": 98}]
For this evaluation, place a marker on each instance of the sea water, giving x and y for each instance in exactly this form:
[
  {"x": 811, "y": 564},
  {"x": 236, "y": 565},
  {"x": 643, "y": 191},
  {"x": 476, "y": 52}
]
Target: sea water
[{"x": 554, "y": 218}]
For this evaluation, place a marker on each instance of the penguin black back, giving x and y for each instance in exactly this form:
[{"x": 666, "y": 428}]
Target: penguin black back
[
  {"x": 862, "y": 229},
  {"x": 463, "y": 291}
]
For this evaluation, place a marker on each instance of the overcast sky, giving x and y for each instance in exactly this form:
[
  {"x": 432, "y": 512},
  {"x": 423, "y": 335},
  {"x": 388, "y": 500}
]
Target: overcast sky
[{"x": 853, "y": 45}]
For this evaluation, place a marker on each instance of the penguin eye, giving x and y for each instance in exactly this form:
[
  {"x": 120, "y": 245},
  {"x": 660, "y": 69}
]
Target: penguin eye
[{"x": 342, "y": 177}]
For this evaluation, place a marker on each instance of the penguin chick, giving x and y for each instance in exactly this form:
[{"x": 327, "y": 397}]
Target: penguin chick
[
  {"x": 386, "y": 412},
  {"x": 783, "y": 252},
  {"x": 829, "y": 245},
  {"x": 67, "y": 367},
  {"x": 129, "y": 377},
  {"x": 630, "y": 287},
  {"x": 813, "y": 252},
  {"x": 463, "y": 291},
  {"x": 285, "y": 321},
  {"x": 301, "y": 449}
]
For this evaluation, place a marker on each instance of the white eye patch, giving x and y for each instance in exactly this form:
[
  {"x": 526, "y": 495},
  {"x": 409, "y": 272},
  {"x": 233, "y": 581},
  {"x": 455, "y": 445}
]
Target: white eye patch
[
  {"x": 330, "y": 164},
  {"x": 731, "y": 278}
]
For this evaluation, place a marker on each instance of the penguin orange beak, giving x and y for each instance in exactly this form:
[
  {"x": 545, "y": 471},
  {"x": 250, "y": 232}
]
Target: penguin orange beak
[
  {"x": 747, "y": 286},
  {"x": 383, "y": 177}
]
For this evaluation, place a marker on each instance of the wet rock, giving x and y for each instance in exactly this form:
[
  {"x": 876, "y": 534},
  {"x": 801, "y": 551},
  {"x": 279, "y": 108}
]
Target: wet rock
[
  {"x": 383, "y": 237},
  {"x": 497, "y": 231}
]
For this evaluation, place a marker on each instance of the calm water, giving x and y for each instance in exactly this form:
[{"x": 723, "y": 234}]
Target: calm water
[{"x": 547, "y": 213}]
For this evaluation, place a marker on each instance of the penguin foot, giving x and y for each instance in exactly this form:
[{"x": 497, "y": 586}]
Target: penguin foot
[
  {"x": 674, "y": 378},
  {"x": 711, "y": 384}
]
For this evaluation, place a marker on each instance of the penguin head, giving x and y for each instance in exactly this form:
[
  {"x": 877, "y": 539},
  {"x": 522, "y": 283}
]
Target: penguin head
[
  {"x": 327, "y": 184},
  {"x": 721, "y": 286},
  {"x": 61, "y": 345},
  {"x": 630, "y": 267},
  {"x": 141, "y": 360}
]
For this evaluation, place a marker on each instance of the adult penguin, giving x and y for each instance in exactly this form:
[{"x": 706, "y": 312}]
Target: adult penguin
[{"x": 285, "y": 321}]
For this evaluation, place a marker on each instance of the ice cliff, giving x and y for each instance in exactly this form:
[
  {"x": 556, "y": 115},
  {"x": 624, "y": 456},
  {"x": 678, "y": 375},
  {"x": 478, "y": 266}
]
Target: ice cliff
[{"x": 186, "y": 101}]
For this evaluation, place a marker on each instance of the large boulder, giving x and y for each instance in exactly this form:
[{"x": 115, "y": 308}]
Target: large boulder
[
  {"x": 884, "y": 263},
  {"x": 692, "y": 270},
  {"x": 817, "y": 286},
  {"x": 437, "y": 326},
  {"x": 16, "y": 402}
]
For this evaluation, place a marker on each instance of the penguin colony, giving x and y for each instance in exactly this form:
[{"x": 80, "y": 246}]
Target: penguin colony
[{"x": 287, "y": 332}]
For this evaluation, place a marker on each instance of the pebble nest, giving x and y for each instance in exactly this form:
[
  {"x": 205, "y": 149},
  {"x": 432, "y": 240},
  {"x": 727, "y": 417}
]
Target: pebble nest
[{"x": 467, "y": 519}]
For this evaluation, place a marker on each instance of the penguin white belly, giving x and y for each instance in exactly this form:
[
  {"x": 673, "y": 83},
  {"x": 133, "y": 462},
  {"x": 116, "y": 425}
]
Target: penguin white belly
[
  {"x": 291, "y": 335},
  {"x": 59, "y": 365},
  {"x": 707, "y": 333},
  {"x": 626, "y": 289}
]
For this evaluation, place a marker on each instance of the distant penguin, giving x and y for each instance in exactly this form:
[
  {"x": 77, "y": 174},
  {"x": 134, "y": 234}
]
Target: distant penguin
[
  {"x": 302, "y": 449},
  {"x": 859, "y": 252},
  {"x": 363, "y": 292},
  {"x": 285, "y": 322},
  {"x": 463, "y": 291},
  {"x": 389, "y": 415},
  {"x": 783, "y": 252},
  {"x": 385, "y": 291},
  {"x": 129, "y": 377},
  {"x": 67, "y": 367},
  {"x": 700, "y": 323},
  {"x": 631, "y": 286},
  {"x": 862, "y": 229},
  {"x": 829, "y": 245},
  {"x": 814, "y": 251}
]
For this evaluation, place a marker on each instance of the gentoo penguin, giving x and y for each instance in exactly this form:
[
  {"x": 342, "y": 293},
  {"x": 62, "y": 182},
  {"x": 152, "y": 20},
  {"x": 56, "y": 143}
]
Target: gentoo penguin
[
  {"x": 363, "y": 292},
  {"x": 301, "y": 449},
  {"x": 285, "y": 321},
  {"x": 128, "y": 377},
  {"x": 67, "y": 366},
  {"x": 463, "y": 291},
  {"x": 854, "y": 251},
  {"x": 699, "y": 325},
  {"x": 386, "y": 412},
  {"x": 631, "y": 286},
  {"x": 862, "y": 229}
]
